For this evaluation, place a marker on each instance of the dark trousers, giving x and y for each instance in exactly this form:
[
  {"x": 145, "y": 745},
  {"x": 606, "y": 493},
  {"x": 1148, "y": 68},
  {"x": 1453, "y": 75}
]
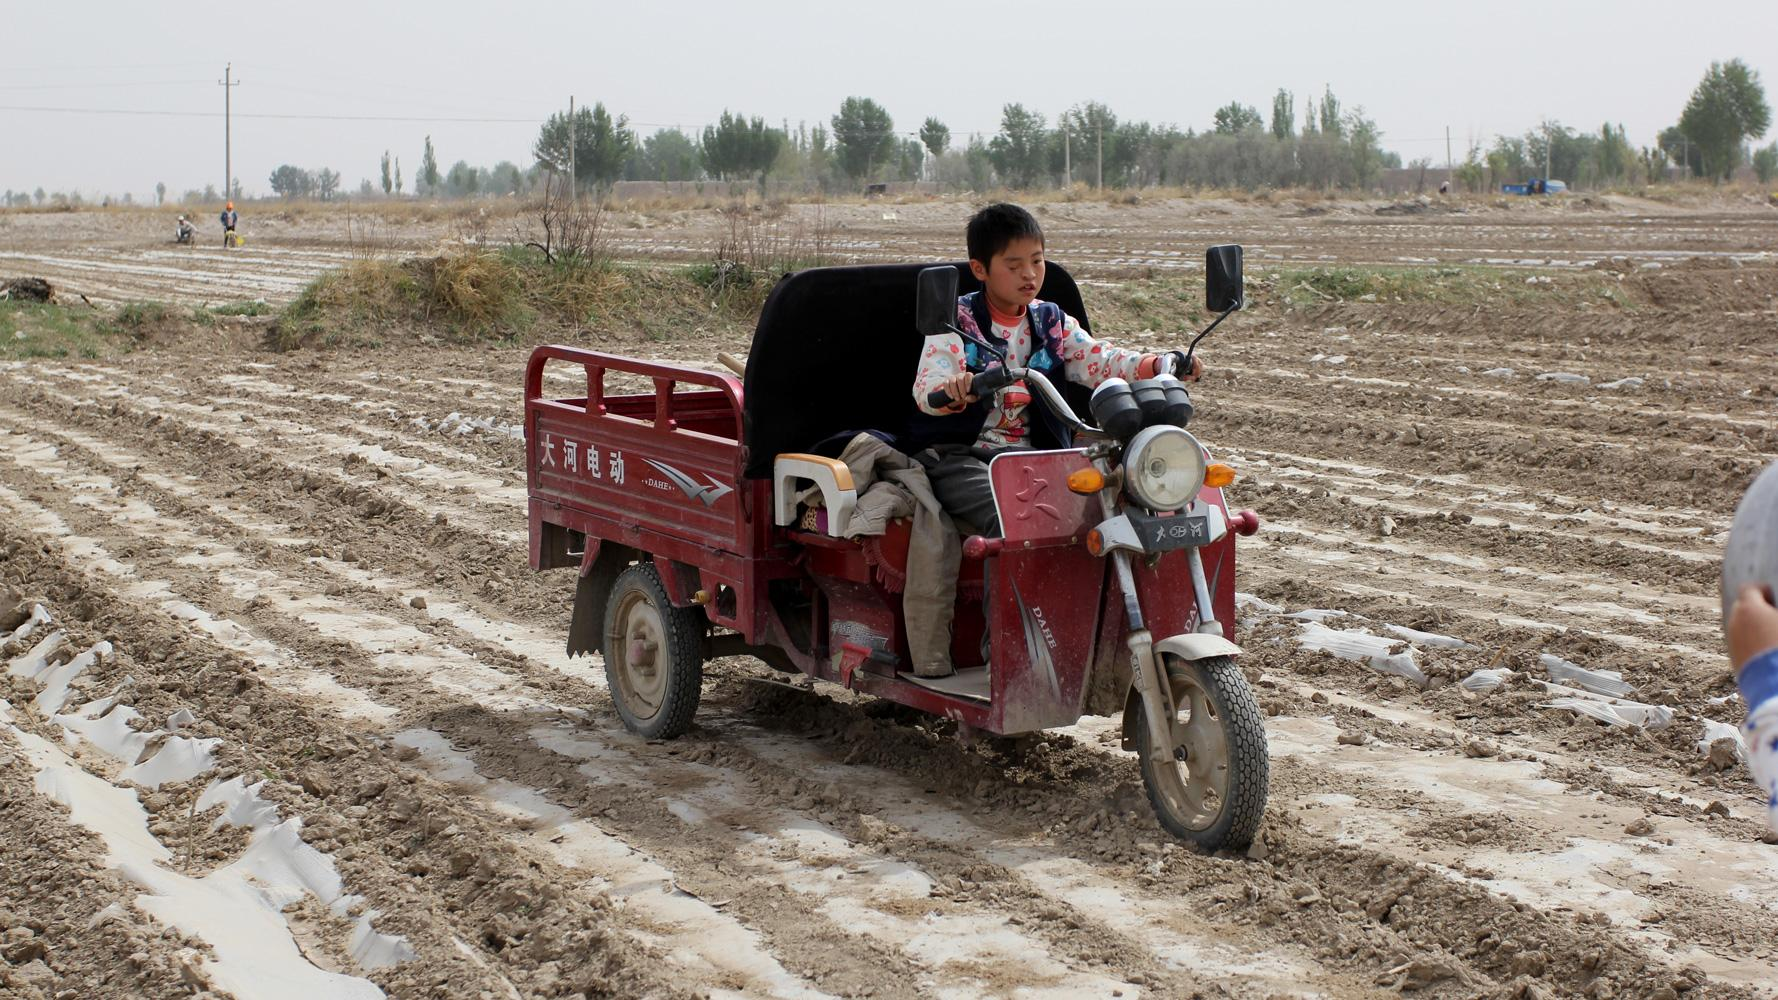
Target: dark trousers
[{"x": 959, "y": 477}]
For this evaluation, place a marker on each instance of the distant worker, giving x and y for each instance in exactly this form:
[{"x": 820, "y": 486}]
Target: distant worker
[
  {"x": 229, "y": 218},
  {"x": 184, "y": 232},
  {"x": 1444, "y": 187}
]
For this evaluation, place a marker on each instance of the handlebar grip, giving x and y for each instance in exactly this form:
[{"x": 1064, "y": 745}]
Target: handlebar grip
[
  {"x": 992, "y": 380},
  {"x": 984, "y": 383}
]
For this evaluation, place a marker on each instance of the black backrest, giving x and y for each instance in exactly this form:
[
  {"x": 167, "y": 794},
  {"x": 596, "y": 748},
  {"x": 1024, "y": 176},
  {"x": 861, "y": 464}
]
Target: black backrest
[{"x": 836, "y": 351}]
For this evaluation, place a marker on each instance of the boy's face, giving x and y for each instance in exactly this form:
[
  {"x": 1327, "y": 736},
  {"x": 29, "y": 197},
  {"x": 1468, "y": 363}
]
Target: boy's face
[{"x": 1013, "y": 276}]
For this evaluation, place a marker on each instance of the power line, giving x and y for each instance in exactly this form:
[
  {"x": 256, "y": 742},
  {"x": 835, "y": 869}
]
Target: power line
[
  {"x": 145, "y": 112},
  {"x": 96, "y": 86},
  {"x": 270, "y": 115},
  {"x": 64, "y": 67}
]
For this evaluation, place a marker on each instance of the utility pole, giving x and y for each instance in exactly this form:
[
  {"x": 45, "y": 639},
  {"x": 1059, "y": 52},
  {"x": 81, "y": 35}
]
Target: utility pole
[
  {"x": 573, "y": 191},
  {"x": 1448, "y": 164},
  {"x": 1099, "y": 176},
  {"x": 1067, "y": 165},
  {"x": 228, "y": 148}
]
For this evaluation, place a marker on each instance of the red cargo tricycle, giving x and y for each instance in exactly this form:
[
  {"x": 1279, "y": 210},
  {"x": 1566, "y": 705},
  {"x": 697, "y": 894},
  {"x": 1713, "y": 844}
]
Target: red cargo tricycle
[{"x": 674, "y": 493}]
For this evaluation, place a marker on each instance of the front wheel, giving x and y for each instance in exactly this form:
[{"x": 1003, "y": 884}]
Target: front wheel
[
  {"x": 654, "y": 660},
  {"x": 1212, "y": 793}
]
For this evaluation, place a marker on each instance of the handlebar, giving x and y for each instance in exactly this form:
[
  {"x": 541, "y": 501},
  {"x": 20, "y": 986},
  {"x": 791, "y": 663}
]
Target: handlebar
[
  {"x": 990, "y": 381},
  {"x": 999, "y": 376}
]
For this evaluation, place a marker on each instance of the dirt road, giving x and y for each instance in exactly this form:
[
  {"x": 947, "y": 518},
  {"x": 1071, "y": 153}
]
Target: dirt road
[{"x": 303, "y": 582}]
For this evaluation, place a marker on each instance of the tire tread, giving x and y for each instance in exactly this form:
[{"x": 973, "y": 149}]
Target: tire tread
[
  {"x": 1249, "y": 761},
  {"x": 684, "y": 629}
]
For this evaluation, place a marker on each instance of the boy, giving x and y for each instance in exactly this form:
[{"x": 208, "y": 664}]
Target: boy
[{"x": 1006, "y": 255}]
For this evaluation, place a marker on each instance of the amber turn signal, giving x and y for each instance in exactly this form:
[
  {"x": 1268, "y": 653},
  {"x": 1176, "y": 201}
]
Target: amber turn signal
[
  {"x": 1095, "y": 542},
  {"x": 1219, "y": 475},
  {"x": 1086, "y": 481}
]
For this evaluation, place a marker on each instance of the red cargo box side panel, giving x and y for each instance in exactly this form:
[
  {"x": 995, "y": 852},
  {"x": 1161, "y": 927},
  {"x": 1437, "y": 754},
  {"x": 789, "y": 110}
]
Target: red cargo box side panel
[{"x": 637, "y": 459}]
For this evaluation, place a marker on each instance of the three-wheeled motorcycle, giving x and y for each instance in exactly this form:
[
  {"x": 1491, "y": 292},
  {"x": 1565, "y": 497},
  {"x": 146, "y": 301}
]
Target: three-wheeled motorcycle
[{"x": 682, "y": 504}]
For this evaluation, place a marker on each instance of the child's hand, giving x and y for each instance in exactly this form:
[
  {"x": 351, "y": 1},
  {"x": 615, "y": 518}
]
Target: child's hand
[
  {"x": 957, "y": 387},
  {"x": 1753, "y": 625},
  {"x": 1178, "y": 366}
]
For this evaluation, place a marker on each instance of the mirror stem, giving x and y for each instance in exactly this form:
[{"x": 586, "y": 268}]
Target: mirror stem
[
  {"x": 1194, "y": 344},
  {"x": 982, "y": 342}
]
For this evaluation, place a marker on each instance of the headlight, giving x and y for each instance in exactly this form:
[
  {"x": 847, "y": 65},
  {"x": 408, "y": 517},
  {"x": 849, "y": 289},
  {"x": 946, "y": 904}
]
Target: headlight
[{"x": 1164, "y": 468}]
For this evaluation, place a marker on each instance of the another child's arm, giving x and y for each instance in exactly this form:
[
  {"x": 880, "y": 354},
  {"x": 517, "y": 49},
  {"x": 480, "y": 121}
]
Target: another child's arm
[
  {"x": 1753, "y": 651},
  {"x": 1752, "y": 632}
]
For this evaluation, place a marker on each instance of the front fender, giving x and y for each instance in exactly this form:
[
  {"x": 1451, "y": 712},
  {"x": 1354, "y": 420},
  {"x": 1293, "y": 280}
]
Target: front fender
[
  {"x": 1196, "y": 646},
  {"x": 1190, "y": 646}
]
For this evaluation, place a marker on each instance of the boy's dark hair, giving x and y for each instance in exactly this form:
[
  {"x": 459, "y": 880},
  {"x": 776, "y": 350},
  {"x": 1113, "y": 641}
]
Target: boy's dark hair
[{"x": 992, "y": 228}]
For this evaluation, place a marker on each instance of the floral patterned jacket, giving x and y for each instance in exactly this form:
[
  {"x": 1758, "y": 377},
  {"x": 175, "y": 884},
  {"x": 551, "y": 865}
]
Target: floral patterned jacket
[{"x": 1045, "y": 338}]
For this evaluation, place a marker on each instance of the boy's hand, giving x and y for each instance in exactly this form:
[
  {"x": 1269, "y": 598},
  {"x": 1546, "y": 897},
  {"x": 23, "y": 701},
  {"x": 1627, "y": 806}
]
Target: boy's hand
[
  {"x": 1753, "y": 625},
  {"x": 957, "y": 387},
  {"x": 1178, "y": 366}
]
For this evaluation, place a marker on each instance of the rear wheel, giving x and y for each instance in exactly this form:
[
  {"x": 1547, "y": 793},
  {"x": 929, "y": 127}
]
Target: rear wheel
[
  {"x": 1212, "y": 792},
  {"x": 654, "y": 659}
]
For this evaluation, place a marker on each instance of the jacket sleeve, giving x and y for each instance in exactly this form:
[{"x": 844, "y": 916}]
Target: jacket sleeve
[
  {"x": 1089, "y": 362},
  {"x": 941, "y": 358}
]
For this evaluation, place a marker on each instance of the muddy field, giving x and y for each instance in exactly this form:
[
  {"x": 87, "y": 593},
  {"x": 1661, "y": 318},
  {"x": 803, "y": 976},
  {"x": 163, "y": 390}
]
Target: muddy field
[{"x": 308, "y": 703}]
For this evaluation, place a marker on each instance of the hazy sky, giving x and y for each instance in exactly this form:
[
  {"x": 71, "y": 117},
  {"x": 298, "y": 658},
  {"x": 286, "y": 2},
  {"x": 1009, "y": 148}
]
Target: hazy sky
[{"x": 1479, "y": 68}]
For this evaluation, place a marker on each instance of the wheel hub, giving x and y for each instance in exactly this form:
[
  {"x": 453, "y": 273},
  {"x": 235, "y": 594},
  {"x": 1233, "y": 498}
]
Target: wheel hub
[
  {"x": 638, "y": 656},
  {"x": 1196, "y": 780}
]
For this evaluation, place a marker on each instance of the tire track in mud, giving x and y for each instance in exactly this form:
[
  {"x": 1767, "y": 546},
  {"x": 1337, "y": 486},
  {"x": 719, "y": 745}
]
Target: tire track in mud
[{"x": 1691, "y": 891}]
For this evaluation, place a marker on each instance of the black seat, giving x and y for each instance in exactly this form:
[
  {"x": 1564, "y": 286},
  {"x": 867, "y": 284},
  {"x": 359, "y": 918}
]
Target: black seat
[{"x": 835, "y": 353}]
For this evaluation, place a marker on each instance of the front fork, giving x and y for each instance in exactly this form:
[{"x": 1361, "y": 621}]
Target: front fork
[{"x": 1157, "y": 698}]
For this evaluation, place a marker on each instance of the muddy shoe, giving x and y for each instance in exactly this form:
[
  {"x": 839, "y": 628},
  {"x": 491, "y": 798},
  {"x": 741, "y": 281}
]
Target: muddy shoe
[{"x": 933, "y": 670}]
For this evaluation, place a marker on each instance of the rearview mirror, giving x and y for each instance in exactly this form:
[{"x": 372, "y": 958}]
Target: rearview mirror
[
  {"x": 935, "y": 300},
  {"x": 1223, "y": 290}
]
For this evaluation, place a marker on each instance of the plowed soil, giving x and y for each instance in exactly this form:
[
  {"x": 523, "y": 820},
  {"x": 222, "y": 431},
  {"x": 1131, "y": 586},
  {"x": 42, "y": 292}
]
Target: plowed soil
[{"x": 329, "y": 577}]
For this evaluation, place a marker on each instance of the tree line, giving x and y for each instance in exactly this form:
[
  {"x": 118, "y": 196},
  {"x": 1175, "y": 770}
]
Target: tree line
[
  {"x": 861, "y": 144},
  {"x": 1316, "y": 142},
  {"x": 1319, "y": 143},
  {"x": 1710, "y": 141}
]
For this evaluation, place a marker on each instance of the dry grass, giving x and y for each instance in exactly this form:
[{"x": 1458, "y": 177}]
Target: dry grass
[
  {"x": 357, "y": 302},
  {"x": 477, "y": 290}
]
